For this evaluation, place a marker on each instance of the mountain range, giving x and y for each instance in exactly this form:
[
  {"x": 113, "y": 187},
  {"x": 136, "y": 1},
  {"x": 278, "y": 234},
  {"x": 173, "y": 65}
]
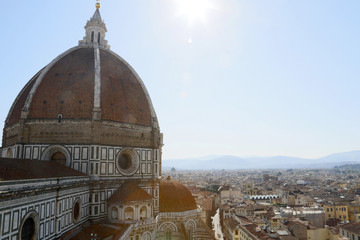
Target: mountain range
[{"x": 276, "y": 162}]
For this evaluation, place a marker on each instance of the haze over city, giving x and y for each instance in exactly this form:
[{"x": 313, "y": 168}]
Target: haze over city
[{"x": 231, "y": 77}]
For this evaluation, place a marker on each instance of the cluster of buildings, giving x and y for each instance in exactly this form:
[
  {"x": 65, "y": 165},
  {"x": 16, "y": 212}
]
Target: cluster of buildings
[{"x": 282, "y": 204}]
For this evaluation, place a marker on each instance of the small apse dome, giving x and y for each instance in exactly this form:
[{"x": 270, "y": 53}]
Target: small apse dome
[{"x": 175, "y": 197}]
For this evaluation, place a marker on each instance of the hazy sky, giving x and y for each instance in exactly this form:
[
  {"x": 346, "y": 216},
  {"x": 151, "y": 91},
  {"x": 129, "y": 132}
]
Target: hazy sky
[{"x": 271, "y": 77}]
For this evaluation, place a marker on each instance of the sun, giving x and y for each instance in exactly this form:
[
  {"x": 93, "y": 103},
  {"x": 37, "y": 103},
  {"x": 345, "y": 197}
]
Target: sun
[{"x": 194, "y": 9}]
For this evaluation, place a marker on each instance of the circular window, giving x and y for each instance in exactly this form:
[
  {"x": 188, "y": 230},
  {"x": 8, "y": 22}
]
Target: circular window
[
  {"x": 127, "y": 161},
  {"x": 76, "y": 211},
  {"x": 29, "y": 227},
  {"x": 59, "y": 157}
]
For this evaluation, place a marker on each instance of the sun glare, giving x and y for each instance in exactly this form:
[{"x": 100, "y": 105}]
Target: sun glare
[{"x": 194, "y": 9}]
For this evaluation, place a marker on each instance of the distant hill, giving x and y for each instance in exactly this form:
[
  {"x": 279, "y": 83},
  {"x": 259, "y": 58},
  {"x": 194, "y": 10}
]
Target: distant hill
[
  {"x": 353, "y": 156},
  {"x": 349, "y": 166},
  {"x": 276, "y": 162}
]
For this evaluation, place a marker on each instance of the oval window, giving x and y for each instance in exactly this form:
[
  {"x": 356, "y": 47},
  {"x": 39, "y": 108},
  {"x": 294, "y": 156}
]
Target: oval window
[
  {"x": 127, "y": 161},
  {"x": 76, "y": 211}
]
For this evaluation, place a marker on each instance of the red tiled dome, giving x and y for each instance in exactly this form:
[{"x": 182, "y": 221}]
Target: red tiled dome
[
  {"x": 129, "y": 192},
  {"x": 175, "y": 197},
  {"x": 95, "y": 95},
  {"x": 67, "y": 88}
]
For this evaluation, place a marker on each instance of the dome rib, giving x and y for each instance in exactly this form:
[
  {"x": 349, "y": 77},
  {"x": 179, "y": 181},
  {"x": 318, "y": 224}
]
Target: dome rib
[
  {"x": 41, "y": 77},
  {"x": 154, "y": 119},
  {"x": 67, "y": 88},
  {"x": 14, "y": 113}
]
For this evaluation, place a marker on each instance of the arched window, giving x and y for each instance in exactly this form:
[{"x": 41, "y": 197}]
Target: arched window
[
  {"x": 59, "y": 118},
  {"x": 190, "y": 226},
  {"x": 168, "y": 235},
  {"x": 114, "y": 213},
  {"x": 9, "y": 153},
  {"x": 190, "y": 234},
  {"x": 98, "y": 38},
  {"x": 92, "y": 36},
  {"x": 28, "y": 229},
  {"x": 146, "y": 236},
  {"x": 129, "y": 213},
  {"x": 59, "y": 157},
  {"x": 143, "y": 212}
]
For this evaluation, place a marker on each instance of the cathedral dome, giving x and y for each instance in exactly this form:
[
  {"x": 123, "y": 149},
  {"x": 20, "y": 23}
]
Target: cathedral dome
[
  {"x": 175, "y": 197},
  {"x": 87, "y": 95},
  {"x": 67, "y": 87}
]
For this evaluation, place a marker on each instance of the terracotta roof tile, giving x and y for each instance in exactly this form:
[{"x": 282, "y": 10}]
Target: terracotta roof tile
[
  {"x": 17, "y": 169},
  {"x": 175, "y": 197},
  {"x": 67, "y": 88},
  {"x": 122, "y": 97},
  {"x": 353, "y": 227},
  {"x": 102, "y": 231},
  {"x": 232, "y": 223},
  {"x": 256, "y": 231}
]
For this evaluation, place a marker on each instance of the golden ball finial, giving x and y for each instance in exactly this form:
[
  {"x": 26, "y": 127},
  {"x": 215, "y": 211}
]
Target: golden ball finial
[{"x": 97, "y": 5}]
